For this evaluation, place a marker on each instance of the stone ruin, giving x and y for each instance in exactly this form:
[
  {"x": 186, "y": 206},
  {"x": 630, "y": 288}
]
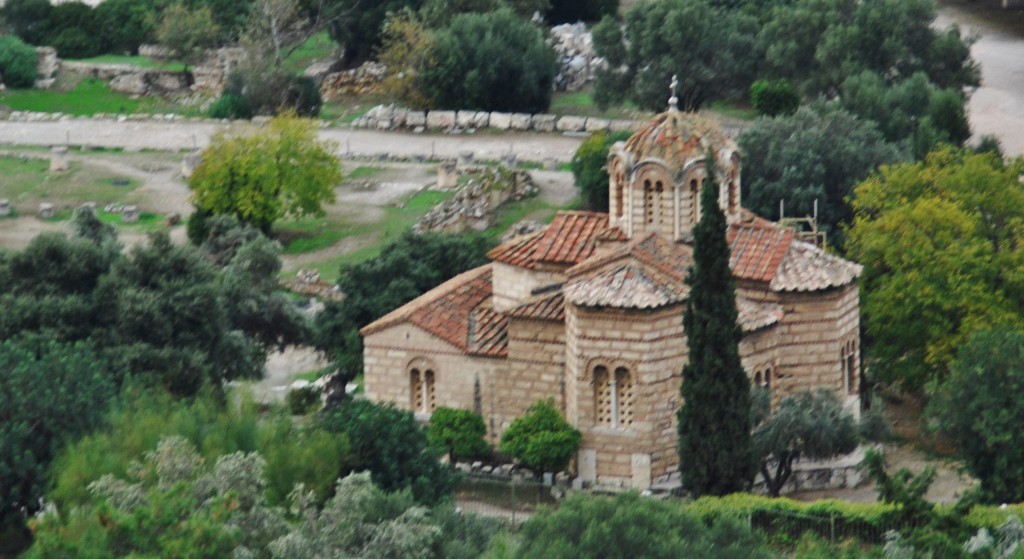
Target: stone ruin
[
  {"x": 46, "y": 210},
  {"x": 5, "y": 207},
  {"x": 130, "y": 214},
  {"x": 577, "y": 61},
  {"x": 357, "y": 81},
  {"x": 308, "y": 282},
  {"x": 59, "y": 159},
  {"x": 473, "y": 207}
]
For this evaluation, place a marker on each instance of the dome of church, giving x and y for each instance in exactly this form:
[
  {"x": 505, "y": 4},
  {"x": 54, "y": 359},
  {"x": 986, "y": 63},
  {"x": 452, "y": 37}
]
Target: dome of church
[{"x": 677, "y": 139}]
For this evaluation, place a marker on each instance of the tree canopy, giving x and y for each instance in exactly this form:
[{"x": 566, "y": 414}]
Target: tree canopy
[
  {"x": 590, "y": 168},
  {"x": 980, "y": 408},
  {"x": 939, "y": 241},
  {"x": 261, "y": 175},
  {"x": 494, "y": 61},
  {"x": 663, "y": 38},
  {"x": 795, "y": 160},
  {"x": 714, "y": 421}
]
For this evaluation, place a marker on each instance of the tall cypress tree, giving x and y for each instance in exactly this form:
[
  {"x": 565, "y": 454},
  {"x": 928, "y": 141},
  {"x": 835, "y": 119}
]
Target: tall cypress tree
[{"x": 714, "y": 422}]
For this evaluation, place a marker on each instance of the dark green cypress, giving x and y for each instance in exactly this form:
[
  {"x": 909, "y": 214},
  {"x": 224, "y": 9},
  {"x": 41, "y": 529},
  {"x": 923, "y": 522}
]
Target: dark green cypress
[{"x": 714, "y": 422}]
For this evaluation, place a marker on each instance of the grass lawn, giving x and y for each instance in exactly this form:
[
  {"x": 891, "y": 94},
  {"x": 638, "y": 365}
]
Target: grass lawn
[
  {"x": 147, "y": 221},
  {"x": 581, "y": 103},
  {"x": 139, "y": 61},
  {"x": 26, "y": 181},
  {"x": 363, "y": 173},
  {"x": 317, "y": 47},
  {"x": 88, "y": 97},
  {"x": 733, "y": 109}
]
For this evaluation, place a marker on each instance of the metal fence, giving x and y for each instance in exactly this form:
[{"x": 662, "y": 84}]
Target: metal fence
[
  {"x": 513, "y": 499},
  {"x": 516, "y": 500}
]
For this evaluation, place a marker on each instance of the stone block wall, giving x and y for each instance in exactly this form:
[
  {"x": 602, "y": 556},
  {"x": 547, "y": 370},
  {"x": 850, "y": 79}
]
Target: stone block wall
[
  {"x": 534, "y": 370},
  {"x": 382, "y": 117},
  {"x": 513, "y": 285}
]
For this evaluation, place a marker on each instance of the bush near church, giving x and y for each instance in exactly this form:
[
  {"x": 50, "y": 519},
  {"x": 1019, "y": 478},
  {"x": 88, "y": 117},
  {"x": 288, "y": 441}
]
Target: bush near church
[
  {"x": 541, "y": 439},
  {"x": 460, "y": 433}
]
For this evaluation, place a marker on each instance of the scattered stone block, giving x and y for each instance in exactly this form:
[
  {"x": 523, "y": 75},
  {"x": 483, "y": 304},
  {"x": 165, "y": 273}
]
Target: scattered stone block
[
  {"x": 130, "y": 214},
  {"x": 544, "y": 123},
  {"x": 571, "y": 124},
  {"x": 5, "y": 207},
  {"x": 500, "y": 121},
  {"x": 59, "y": 159},
  {"x": 597, "y": 124},
  {"x": 46, "y": 210},
  {"x": 520, "y": 121},
  {"x": 414, "y": 119},
  {"x": 447, "y": 176},
  {"x": 441, "y": 119}
]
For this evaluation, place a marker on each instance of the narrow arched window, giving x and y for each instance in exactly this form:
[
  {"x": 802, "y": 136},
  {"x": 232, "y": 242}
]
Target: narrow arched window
[
  {"x": 848, "y": 358},
  {"x": 620, "y": 182},
  {"x": 422, "y": 396},
  {"x": 694, "y": 202},
  {"x": 613, "y": 397},
  {"x": 648, "y": 202}
]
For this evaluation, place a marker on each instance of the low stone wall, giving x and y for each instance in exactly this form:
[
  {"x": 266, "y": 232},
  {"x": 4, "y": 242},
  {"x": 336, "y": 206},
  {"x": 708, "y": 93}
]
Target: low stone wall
[
  {"x": 390, "y": 117},
  {"x": 473, "y": 207},
  {"x": 132, "y": 80},
  {"x": 358, "y": 81}
]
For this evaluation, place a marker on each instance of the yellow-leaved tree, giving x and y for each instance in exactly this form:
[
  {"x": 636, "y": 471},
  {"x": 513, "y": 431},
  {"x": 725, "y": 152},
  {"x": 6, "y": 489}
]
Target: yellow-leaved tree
[{"x": 260, "y": 175}]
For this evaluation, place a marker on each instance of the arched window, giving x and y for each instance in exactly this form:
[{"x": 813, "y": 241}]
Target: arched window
[
  {"x": 648, "y": 202},
  {"x": 620, "y": 182},
  {"x": 694, "y": 202},
  {"x": 848, "y": 358},
  {"x": 421, "y": 390},
  {"x": 763, "y": 378},
  {"x": 659, "y": 189},
  {"x": 613, "y": 397}
]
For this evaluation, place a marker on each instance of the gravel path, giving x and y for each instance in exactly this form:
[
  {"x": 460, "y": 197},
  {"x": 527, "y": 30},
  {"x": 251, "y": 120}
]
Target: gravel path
[{"x": 135, "y": 135}]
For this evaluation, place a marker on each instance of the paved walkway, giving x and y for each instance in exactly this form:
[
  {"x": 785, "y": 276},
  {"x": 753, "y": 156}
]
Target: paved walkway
[{"x": 136, "y": 135}]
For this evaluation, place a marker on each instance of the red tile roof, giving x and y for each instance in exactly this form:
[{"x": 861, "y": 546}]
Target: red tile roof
[
  {"x": 542, "y": 307},
  {"x": 758, "y": 248},
  {"x": 458, "y": 311},
  {"x": 571, "y": 238}
]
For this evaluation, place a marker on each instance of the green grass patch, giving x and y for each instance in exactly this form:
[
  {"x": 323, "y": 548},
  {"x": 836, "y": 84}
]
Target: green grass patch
[
  {"x": 734, "y": 109},
  {"x": 89, "y": 96},
  {"x": 137, "y": 61},
  {"x": 317, "y": 47},
  {"x": 363, "y": 173},
  {"x": 311, "y": 234},
  {"x": 147, "y": 221},
  {"x": 581, "y": 103},
  {"x": 26, "y": 182}
]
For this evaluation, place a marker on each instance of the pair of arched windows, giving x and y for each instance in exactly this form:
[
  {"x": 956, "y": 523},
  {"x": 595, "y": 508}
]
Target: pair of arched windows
[
  {"x": 613, "y": 396},
  {"x": 763, "y": 378},
  {"x": 421, "y": 390}
]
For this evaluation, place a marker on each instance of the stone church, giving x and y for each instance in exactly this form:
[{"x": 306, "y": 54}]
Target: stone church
[{"x": 588, "y": 311}]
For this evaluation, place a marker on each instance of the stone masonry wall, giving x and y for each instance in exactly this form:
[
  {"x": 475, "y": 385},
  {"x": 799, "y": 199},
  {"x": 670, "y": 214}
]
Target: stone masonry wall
[
  {"x": 534, "y": 370},
  {"x": 512, "y": 285},
  {"x": 388, "y": 354}
]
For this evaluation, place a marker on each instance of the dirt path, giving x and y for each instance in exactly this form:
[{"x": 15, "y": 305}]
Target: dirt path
[
  {"x": 997, "y": 107},
  {"x": 176, "y": 136}
]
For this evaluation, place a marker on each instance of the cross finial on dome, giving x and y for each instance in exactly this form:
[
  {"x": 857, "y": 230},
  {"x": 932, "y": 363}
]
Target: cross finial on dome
[{"x": 673, "y": 102}]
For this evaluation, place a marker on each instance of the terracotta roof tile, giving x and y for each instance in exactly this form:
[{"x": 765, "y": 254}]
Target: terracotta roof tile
[
  {"x": 549, "y": 306},
  {"x": 458, "y": 312},
  {"x": 754, "y": 315},
  {"x": 570, "y": 238},
  {"x": 625, "y": 286},
  {"x": 809, "y": 268},
  {"x": 757, "y": 249}
]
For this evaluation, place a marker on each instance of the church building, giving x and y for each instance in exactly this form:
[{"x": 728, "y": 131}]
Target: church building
[{"x": 589, "y": 312}]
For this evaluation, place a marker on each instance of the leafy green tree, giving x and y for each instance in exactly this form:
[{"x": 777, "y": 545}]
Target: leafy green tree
[
  {"x": 493, "y": 62},
  {"x": 359, "y": 25},
  {"x": 913, "y": 112},
  {"x": 817, "y": 44},
  {"x": 590, "y": 168},
  {"x": 938, "y": 241},
  {"x": 27, "y": 19},
  {"x": 715, "y": 452},
  {"x": 460, "y": 433},
  {"x": 17, "y": 62},
  {"x": 125, "y": 24},
  {"x": 806, "y": 425},
  {"x": 266, "y": 174},
  {"x": 979, "y": 407},
  {"x": 393, "y": 447},
  {"x": 50, "y": 394},
  {"x": 406, "y": 268},
  {"x": 663, "y": 38},
  {"x": 186, "y": 32},
  {"x": 72, "y": 29},
  {"x": 541, "y": 438},
  {"x": 793, "y": 159},
  {"x": 629, "y": 525},
  {"x": 774, "y": 97}
]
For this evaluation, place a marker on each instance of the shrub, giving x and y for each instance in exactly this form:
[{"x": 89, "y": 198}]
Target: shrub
[
  {"x": 230, "y": 106},
  {"x": 17, "y": 62},
  {"x": 541, "y": 439},
  {"x": 460, "y": 433},
  {"x": 774, "y": 97},
  {"x": 303, "y": 400},
  {"x": 589, "y": 168}
]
